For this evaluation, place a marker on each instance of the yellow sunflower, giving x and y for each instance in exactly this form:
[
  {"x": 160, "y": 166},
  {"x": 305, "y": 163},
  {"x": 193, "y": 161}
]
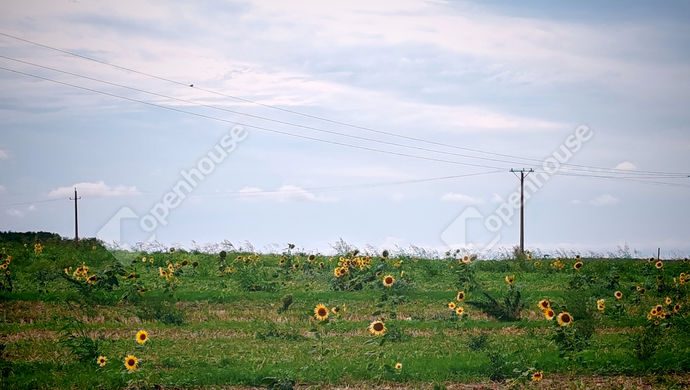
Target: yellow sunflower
[
  {"x": 131, "y": 362},
  {"x": 544, "y": 304},
  {"x": 335, "y": 310},
  {"x": 142, "y": 337},
  {"x": 577, "y": 266},
  {"x": 398, "y": 366},
  {"x": 537, "y": 376},
  {"x": 549, "y": 314},
  {"x": 659, "y": 264},
  {"x": 336, "y": 272},
  {"x": 676, "y": 307},
  {"x": 564, "y": 319},
  {"x": 618, "y": 295},
  {"x": 388, "y": 280},
  {"x": 451, "y": 305},
  {"x": 461, "y": 296},
  {"x": 459, "y": 310},
  {"x": 510, "y": 279},
  {"x": 377, "y": 328},
  {"x": 102, "y": 360},
  {"x": 668, "y": 301},
  {"x": 321, "y": 312}
]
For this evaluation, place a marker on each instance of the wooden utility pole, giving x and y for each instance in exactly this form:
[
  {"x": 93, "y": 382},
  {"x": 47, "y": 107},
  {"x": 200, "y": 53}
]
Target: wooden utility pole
[
  {"x": 76, "y": 221},
  {"x": 523, "y": 173}
]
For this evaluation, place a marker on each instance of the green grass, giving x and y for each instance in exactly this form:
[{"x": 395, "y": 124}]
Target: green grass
[{"x": 232, "y": 336}]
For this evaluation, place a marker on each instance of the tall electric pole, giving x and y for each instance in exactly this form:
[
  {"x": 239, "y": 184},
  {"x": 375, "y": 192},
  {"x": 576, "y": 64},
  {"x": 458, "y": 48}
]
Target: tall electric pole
[
  {"x": 76, "y": 221},
  {"x": 523, "y": 174}
]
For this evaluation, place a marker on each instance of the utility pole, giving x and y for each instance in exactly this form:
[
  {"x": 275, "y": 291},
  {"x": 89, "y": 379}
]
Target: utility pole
[
  {"x": 523, "y": 174},
  {"x": 76, "y": 221}
]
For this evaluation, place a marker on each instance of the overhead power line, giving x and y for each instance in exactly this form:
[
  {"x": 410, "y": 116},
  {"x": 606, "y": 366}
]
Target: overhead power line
[
  {"x": 249, "y": 125},
  {"x": 185, "y": 84}
]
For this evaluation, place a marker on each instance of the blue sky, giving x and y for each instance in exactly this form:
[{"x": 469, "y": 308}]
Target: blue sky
[{"x": 490, "y": 76}]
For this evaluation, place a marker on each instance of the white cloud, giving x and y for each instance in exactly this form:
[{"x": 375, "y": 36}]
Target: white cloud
[
  {"x": 456, "y": 197},
  {"x": 604, "y": 200},
  {"x": 31, "y": 208},
  {"x": 496, "y": 198},
  {"x": 96, "y": 189},
  {"x": 626, "y": 165},
  {"x": 15, "y": 213},
  {"x": 4, "y": 155},
  {"x": 3, "y": 189},
  {"x": 286, "y": 193}
]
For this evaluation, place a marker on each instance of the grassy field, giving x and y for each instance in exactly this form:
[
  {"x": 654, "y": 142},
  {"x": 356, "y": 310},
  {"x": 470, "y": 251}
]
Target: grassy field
[{"x": 230, "y": 320}]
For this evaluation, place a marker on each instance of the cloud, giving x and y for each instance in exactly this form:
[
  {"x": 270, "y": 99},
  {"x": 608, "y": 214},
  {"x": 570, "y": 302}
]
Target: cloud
[
  {"x": 3, "y": 190},
  {"x": 15, "y": 213},
  {"x": 604, "y": 200},
  {"x": 4, "y": 155},
  {"x": 626, "y": 165},
  {"x": 97, "y": 189},
  {"x": 286, "y": 193},
  {"x": 31, "y": 208},
  {"x": 456, "y": 197}
]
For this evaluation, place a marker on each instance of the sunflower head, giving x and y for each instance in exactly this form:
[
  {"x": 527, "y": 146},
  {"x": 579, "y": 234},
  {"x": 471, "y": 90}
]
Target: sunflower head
[
  {"x": 459, "y": 310},
  {"x": 676, "y": 308},
  {"x": 668, "y": 300},
  {"x": 659, "y": 264},
  {"x": 321, "y": 312},
  {"x": 544, "y": 304},
  {"x": 311, "y": 257},
  {"x": 451, "y": 305},
  {"x": 564, "y": 319},
  {"x": 461, "y": 296},
  {"x": 384, "y": 254},
  {"x": 142, "y": 337},
  {"x": 377, "y": 328},
  {"x": 131, "y": 362},
  {"x": 537, "y": 376},
  {"x": 510, "y": 279},
  {"x": 577, "y": 265},
  {"x": 398, "y": 366},
  {"x": 102, "y": 360},
  {"x": 618, "y": 295},
  {"x": 388, "y": 280},
  {"x": 549, "y": 314}
]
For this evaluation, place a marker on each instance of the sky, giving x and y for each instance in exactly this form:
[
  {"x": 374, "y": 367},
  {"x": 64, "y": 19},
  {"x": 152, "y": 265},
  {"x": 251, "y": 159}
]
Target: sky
[{"x": 387, "y": 124}]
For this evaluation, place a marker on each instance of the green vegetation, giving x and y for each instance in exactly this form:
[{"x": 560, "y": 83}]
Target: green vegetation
[{"x": 247, "y": 319}]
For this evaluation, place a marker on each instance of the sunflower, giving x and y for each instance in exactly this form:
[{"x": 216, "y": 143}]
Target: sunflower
[
  {"x": 618, "y": 295},
  {"x": 384, "y": 254},
  {"x": 642, "y": 291},
  {"x": 544, "y": 304},
  {"x": 131, "y": 362},
  {"x": 653, "y": 312},
  {"x": 461, "y": 296},
  {"x": 459, "y": 310},
  {"x": 398, "y": 366},
  {"x": 659, "y": 264},
  {"x": 388, "y": 280},
  {"x": 451, "y": 305},
  {"x": 549, "y": 314},
  {"x": 321, "y": 312},
  {"x": 601, "y": 307},
  {"x": 320, "y": 264},
  {"x": 295, "y": 266},
  {"x": 336, "y": 272},
  {"x": 102, "y": 360},
  {"x": 658, "y": 308},
  {"x": 510, "y": 279},
  {"x": 668, "y": 301},
  {"x": 143, "y": 259},
  {"x": 577, "y": 266},
  {"x": 151, "y": 260},
  {"x": 142, "y": 337},
  {"x": 161, "y": 271},
  {"x": 377, "y": 328},
  {"x": 335, "y": 310},
  {"x": 311, "y": 257},
  {"x": 537, "y": 376},
  {"x": 466, "y": 259},
  {"x": 564, "y": 319},
  {"x": 676, "y": 308}
]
